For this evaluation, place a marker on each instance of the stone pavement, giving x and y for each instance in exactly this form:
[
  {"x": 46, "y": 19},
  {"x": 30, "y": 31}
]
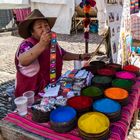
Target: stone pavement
[{"x": 72, "y": 43}]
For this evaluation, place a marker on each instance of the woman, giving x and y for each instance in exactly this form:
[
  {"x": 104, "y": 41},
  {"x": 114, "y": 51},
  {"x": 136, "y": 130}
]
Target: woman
[{"x": 39, "y": 60}]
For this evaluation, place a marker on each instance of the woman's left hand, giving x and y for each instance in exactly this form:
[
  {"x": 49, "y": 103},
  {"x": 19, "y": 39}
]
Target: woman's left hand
[{"x": 86, "y": 56}]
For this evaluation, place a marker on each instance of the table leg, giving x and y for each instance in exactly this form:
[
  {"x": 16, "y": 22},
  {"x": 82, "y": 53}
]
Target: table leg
[{"x": 135, "y": 117}]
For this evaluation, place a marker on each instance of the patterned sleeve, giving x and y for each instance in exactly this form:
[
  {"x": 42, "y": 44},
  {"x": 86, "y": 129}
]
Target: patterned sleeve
[
  {"x": 63, "y": 52},
  {"x": 25, "y": 46}
]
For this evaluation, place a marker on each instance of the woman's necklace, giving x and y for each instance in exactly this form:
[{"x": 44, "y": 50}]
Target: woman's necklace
[{"x": 53, "y": 60}]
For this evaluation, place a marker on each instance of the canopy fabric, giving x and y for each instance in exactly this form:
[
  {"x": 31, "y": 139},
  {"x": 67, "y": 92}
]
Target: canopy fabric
[
  {"x": 62, "y": 9},
  {"x": 13, "y": 4},
  {"x": 51, "y": 1}
]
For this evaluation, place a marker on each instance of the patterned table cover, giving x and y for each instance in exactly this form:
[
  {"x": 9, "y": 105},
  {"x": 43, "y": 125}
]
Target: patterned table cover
[{"x": 118, "y": 130}]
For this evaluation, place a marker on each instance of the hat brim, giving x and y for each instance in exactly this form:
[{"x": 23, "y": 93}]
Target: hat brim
[{"x": 23, "y": 28}]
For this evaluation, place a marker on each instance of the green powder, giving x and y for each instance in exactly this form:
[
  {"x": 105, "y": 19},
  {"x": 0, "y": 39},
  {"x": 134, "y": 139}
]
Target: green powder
[
  {"x": 91, "y": 91},
  {"x": 101, "y": 80},
  {"x": 122, "y": 83}
]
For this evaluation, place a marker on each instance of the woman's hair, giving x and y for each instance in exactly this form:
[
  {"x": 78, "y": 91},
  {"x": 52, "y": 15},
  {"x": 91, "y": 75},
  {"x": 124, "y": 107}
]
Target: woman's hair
[{"x": 30, "y": 28}]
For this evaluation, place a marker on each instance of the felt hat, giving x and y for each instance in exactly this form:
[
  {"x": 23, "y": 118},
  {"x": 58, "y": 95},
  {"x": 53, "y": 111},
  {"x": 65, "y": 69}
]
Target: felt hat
[{"x": 23, "y": 27}]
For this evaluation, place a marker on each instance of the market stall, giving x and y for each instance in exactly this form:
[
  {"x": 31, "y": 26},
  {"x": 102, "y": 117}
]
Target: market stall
[
  {"x": 81, "y": 104},
  {"x": 32, "y": 126},
  {"x": 6, "y": 4},
  {"x": 13, "y": 12}
]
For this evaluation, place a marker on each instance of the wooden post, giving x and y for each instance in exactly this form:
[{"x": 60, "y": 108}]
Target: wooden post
[
  {"x": 86, "y": 46},
  {"x": 108, "y": 46}
]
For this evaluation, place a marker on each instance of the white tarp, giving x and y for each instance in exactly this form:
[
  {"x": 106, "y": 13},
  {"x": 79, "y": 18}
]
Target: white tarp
[
  {"x": 77, "y": 2},
  {"x": 102, "y": 16},
  {"x": 62, "y": 9},
  {"x": 12, "y": 4},
  {"x": 50, "y": 1}
]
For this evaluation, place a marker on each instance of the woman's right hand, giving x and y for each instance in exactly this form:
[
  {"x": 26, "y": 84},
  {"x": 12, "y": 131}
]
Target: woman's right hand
[{"x": 45, "y": 39}]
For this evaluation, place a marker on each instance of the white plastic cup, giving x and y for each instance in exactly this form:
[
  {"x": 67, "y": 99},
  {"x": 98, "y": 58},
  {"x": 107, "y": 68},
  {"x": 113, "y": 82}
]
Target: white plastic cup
[
  {"x": 77, "y": 64},
  {"x": 30, "y": 97},
  {"x": 21, "y": 103}
]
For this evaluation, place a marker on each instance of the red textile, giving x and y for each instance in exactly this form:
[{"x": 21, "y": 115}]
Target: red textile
[
  {"x": 21, "y": 14},
  {"x": 40, "y": 129}
]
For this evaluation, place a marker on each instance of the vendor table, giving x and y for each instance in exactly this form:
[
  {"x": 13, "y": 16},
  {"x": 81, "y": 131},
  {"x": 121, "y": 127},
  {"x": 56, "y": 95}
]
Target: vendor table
[{"x": 14, "y": 127}]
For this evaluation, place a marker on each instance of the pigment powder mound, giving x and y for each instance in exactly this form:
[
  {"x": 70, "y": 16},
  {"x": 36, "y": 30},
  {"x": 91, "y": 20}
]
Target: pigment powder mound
[
  {"x": 125, "y": 75},
  {"x": 116, "y": 93},
  {"x": 131, "y": 68},
  {"x": 122, "y": 83},
  {"x": 93, "y": 123},
  {"x": 106, "y": 72},
  {"x": 91, "y": 91}
]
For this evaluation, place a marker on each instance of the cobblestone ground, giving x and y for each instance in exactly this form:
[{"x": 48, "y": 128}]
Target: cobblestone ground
[{"x": 72, "y": 43}]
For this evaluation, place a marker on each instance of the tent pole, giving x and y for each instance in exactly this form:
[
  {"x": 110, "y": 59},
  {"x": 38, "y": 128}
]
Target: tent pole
[{"x": 86, "y": 46}]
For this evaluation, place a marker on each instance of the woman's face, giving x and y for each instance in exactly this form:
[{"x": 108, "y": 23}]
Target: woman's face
[{"x": 39, "y": 27}]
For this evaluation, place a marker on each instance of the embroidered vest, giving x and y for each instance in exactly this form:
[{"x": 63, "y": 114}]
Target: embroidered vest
[{"x": 50, "y": 69}]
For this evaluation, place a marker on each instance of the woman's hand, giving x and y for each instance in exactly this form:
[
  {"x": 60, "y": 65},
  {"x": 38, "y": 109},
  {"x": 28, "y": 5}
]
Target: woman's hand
[
  {"x": 85, "y": 56},
  {"x": 45, "y": 39}
]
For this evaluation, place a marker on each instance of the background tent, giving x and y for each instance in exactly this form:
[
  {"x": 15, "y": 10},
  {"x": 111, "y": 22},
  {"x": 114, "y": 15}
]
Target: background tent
[
  {"x": 7, "y": 15},
  {"x": 12, "y": 4},
  {"x": 62, "y": 9}
]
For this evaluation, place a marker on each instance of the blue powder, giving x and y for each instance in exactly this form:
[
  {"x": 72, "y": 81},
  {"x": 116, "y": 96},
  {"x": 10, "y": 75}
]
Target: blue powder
[
  {"x": 106, "y": 105},
  {"x": 63, "y": 114}
]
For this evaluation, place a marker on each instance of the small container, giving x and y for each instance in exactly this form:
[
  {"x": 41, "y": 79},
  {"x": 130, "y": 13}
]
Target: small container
[
  {"x": 132, "y": 68},
  {"x": 126, "y": 75},
  {"x": 122, "y": 83},
  {"x": 109, "y": 107},
  {"x": 40, "y": 116},
  {"x": 30, "y": 98},
  {"x": 63, "y": 119},
  {"x": 93, "y": 125},
  {"x": 82, "y": 104},
  {"x": 102, "y": 136},
  {"x": 101, "y": 81},
  {"x": 117, "y": 94},
  {"x": 116, "y": 67},
  {"x": 21, "y": 103},
  {"x": 106, "y": 72},
  {"x": 92, "y": 91},
  {"x": 97, "y": 65}
]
